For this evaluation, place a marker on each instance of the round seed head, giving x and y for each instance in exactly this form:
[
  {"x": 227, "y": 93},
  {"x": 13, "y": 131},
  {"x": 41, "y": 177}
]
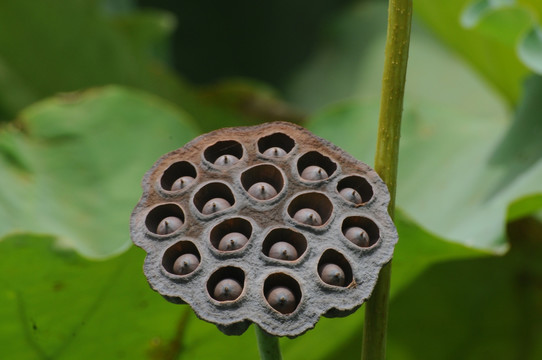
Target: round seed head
[
  {"x": 283, "y": 251},
  {"x": 357, "y": 236},
  {"x": 232, "y": 241},
  {"x": 282, "y": 299},
  {"x": 185, "y": 264},
  {"x": 275, "y": 152},
  {"x": 227, "y": 290},
  {"x": 181, "y": 183},
  {"x": 314, "y": 173},
  {"x": 332, "y": 274},
  {"x": 308, "y": 216},
  {"x": 215, "y": 205},
  {"x": 226, "y": 160},
  {"x": 169, "y": 225},
  {"x": 262, "y": 191},
  {"x": 351, "y": 195}
]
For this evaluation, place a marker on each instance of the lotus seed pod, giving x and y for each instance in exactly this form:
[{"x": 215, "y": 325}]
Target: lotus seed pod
[
  {"x": 169, "y": 225},
  {"x": 283, "y": 251},
  {"x": 232, "y": 241},
  {"x": 215, "y": 205},
  {"x": 308, "y": 216},
  {"x": 181, "y": 183},
  {"x": 227, "y": 290},
  {"x": 357, "y": 236},
  {"x": 351, "y": 195},
  {"x": 226, "y": 160},
  {"x": 332, "y": 274},
  {"x": 275, "y": 152},
  {"x": 185, "y": 264},
  {"x": 282, "y": 299},
  {"x": 314, "y": 173},
  {"x": 267, "y": 211},
  {"x": 262, "y": 191}
]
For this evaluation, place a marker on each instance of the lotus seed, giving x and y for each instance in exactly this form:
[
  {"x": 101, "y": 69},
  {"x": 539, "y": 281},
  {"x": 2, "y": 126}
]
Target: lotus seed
[
  {"x": 282, "y": 299},
  {"x": 357, "y": 236},
  {"x": 181, "y": 183},
  {"x": 351, "y": 195},
  {"x": 214, "y": 205},
  {"x": 275, "y": 152},
  {"x": 308, "y": 216},
  {"x": 283, "y": 251},
  {"x": 185, "y": 264},
  {"x": 169, "y": 225},
  {"x": 262, "y": 191},
  {"x": 227, "y": 290},
  {"x": 226, "y": 160},
  {"x": 332, "y": 274},
  {"x": 314, "y": 173},
  {"x": 232, "y": 241}
]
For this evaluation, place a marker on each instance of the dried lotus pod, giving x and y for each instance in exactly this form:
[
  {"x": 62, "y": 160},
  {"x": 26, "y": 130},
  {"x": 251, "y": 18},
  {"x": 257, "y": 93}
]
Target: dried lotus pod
[{"x": 267, "y": 224}]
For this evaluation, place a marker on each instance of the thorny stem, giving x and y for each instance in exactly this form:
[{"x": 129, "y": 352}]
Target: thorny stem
[
  {"x": 268, "y": 345},
  {"x": 386, "y": 160}
]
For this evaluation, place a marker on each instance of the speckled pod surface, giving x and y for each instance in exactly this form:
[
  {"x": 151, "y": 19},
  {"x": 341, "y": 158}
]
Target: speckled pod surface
[{"x": 270, "y": 183}]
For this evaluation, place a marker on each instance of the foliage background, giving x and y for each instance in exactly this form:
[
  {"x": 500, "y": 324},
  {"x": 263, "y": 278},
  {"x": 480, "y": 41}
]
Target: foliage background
[{"x": 92, "y": 92}]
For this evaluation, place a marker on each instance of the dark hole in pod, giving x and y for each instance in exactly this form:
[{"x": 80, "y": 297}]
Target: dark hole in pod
[
  {"x": 220, "y": 148},
  {"x": 263, "y": 174},
  {"x": 309, "y": 164},
  {"x": 161, "y": 212},
  {"x": 174, "y": 252},
  {"x": 176, "y": 171},
  {"x": 226, "y": 284},
  {"x": 230, "y": 226},
  {"x": 313, "y": 201},
  {"x": 274, "y": 239},
  {"x": 213, "y": 191},
  {"x": 363, "y": 223},
  {"x": 329, "y": 262},
  {"x": 358, "y": 184},
  {"x": 270, "y": 145},
  {"x": 282, "y": 293}
]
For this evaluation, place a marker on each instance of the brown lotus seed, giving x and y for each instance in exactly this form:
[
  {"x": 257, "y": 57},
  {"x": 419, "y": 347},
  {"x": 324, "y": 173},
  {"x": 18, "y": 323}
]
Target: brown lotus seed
[
  {"x": 232, "y": 241},
  {"x": 226, "y": 160},
  {"x": 282, "y": 299},
  {"x": 358, "y": 236},
  {"x": 185, "y": 264},
  {"x": 275, "y": 152},
  {"x": 181, "y": 183},
  {"x": 351, "y": 195},
  {"x": 332, "y": 274},
  {"x": 169, "y": 225},
  {"x": 227, "y": 290},
  {"x": 314, "y": 173},
  {"x": 262, "y": 191},
  {"x": 283, "y": 251},
  {"x": 214, "y": 205},
  {"x": 308, "y": 216}
]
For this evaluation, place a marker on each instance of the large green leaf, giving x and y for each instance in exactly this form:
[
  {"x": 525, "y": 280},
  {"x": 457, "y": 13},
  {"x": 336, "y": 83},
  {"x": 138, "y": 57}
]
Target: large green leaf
[
  {"x": 64, "y": 306},
  {"x": 511, "y": 22},
  {"x": 494, "y": 57},
  {"x": 71, "y": 166},
  {"x": 57, "y": 305},
  {"x": 69, "y": 45},
  {"x": 350, "y": 61}
]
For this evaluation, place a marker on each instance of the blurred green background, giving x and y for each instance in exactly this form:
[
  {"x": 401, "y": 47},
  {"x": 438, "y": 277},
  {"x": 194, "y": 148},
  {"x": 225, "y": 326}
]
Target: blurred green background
[{"x": 93, "y": 92}]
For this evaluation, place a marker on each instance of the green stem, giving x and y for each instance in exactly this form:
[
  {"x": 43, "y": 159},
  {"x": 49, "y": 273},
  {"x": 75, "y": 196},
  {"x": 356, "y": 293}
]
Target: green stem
[
  {"x": 268, "y": 345},
  {"x": 386, "y": 160}
]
